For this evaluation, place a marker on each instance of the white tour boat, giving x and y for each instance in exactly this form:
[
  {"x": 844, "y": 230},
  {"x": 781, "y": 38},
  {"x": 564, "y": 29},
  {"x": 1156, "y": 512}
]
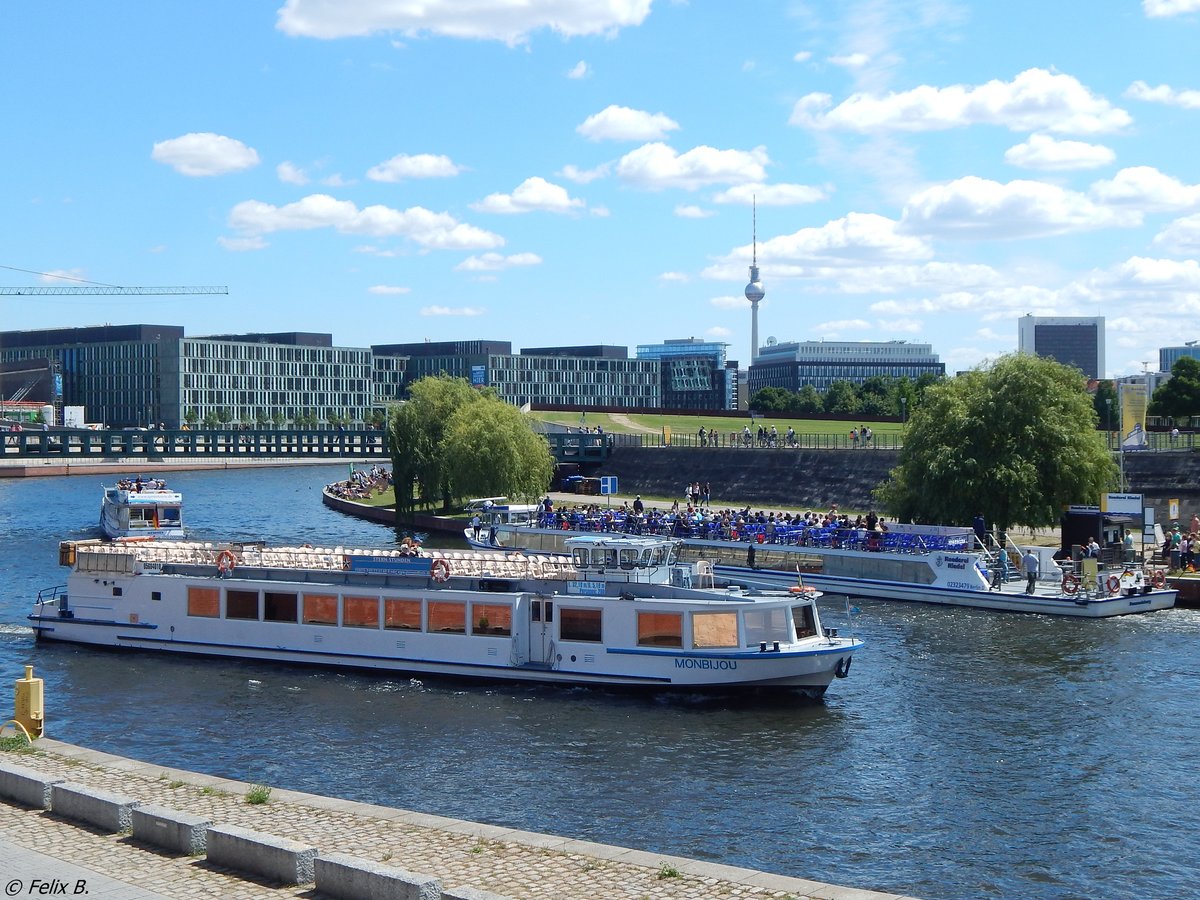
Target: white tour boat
[
  {"x": 616, "y": 611},
  {"x": 916, "y": 563},
  {"x": 494, "y": 512},
  {"x": 141, "y": 508}
]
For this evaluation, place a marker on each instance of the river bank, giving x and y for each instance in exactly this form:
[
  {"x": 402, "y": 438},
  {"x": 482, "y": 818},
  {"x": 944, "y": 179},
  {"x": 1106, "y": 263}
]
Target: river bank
[{"x": 507, "y": 862}]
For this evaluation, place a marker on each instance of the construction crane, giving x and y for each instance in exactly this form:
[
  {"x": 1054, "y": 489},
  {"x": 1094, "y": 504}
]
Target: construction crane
[{"x": 96, "y": 288}]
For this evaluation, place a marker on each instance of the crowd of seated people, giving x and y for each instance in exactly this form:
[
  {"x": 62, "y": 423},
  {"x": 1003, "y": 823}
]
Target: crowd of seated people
[
  {"x": 142, "y": 484},
  {"x": 363, "y": 484},
  {"x": 809, "y": 529}
]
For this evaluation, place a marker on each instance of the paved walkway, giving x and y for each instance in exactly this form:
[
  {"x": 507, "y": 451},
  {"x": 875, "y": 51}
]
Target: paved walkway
[{"x": 517, "y": 864}]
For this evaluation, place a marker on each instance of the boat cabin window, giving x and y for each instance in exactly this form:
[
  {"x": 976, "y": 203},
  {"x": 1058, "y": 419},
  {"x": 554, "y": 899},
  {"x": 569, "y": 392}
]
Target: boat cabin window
[
  {"x": 204, "y": 601},
  {"x": 661, "y": 556},
  {"x": 582, "y": 557},
  {"x": 660, "y": 629},
  {"x": 279, "y": 607},
  {"x": 168, "y": 516},
  {"x": 717, "y": 629},
  {"x": 766, "y": 625},
  {"x": 241, "y": 604},
  {"x": 806, "y": 622},
  {"x": 447, "y": 618},
  {"x": 491, "y": 618},
  {"x": 631, "y": 558},
  {"x": 579, "y": 624},
  {"x": 403, "y": 615},
  {"x": 320, "y": 609},
  {"x": 360, "y": 612}
]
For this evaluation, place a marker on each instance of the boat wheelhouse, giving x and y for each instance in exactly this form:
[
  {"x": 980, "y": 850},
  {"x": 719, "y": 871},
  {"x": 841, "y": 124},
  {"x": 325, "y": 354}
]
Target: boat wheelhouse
[
  {"x": 614, "y": 611},
  {"x": 141, "y": 508}
]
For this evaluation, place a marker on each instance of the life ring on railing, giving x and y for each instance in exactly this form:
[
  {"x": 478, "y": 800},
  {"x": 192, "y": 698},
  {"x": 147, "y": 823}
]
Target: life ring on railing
[
  {"x": 1158, "y": 580},
  {"x": 760, "y": 537},
  {"x": 439, "y": 570},
  {"x": 226, "y": 562},
  {"x": 1113, "y": 584},
  {"x": 802, "y": 589},
  {"x": 1070, "y": 585}
]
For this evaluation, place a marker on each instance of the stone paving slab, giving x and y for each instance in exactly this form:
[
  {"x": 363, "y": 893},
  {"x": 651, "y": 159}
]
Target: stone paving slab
[{"x": 504, "y": 861}]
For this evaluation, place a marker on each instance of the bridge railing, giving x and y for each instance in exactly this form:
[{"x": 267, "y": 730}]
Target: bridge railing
[{"x": 167, "y": 444}]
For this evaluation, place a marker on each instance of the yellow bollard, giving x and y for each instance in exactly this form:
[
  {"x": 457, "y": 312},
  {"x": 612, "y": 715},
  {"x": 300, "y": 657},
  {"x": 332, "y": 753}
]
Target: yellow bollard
[{"x": 29, "y": 709}]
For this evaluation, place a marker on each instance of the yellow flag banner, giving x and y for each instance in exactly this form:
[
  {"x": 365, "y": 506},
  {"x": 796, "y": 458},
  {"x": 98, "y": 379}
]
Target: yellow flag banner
[{"x": 1134, "y": 400}]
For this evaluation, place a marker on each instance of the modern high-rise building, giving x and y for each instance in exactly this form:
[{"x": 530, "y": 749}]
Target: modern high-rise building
[
  {"x": 1072, "y": 341},
  {"x": 793, "y": 365}
]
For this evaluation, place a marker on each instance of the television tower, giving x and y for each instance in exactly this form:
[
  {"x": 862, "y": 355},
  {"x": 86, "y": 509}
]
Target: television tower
[{"x": 754, "y": 290}]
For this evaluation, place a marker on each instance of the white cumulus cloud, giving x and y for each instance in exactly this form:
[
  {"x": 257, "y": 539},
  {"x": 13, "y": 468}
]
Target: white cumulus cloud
[
  {"x": 511, "y": 22},
  {"x": 290, "y": 173},
  {"x": 770, "y": 194},
  {"x": 580, "y": 70},
  {"x": 692, "y": 211},
  {"x": 1181, "y": 236},
  {"x": 620, "y": 123},
  {"x": 854, "y": 238},
  {"x": 974, "y": 207},
  {"x": 497, "y": 262},
  {"x": 584, "y": 176},
  {"x": 1157, "y": 9},
  {"x": 531, "y": 195},
  {"x": 657, "y": 166},
  {"x": 1036, "y": 100},
  {"x": 1164, "y": 93},
  {"x": 420, "y": 165},
  {"x": 388, "y": 289},
  {"x": 465, "y": 311},
  {"x": 204, "y": 153},
  {"x": 849, "y": 60},
  {"x": 1146, "y": 189},
  {"x": 428, "y": 229},
  {"x": 1049, "y": 154}
]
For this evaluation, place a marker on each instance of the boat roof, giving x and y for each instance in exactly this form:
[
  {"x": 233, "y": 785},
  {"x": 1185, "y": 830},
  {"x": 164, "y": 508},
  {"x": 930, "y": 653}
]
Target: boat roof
[
  {"x": 485, "y": 501},
  {"x": 619, "y": 541}
]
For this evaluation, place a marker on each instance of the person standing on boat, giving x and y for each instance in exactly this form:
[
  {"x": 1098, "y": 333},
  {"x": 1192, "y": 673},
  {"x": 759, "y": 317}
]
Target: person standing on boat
[
  {"x": 1030, "y": 566},
  {"x": 1001, "y": 576},
  {"x": 476, "y": 524}
]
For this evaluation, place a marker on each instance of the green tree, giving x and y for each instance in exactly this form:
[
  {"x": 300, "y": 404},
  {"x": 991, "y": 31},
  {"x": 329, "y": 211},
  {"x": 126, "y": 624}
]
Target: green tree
[
  {"x": 491, "y": 450},
  {"x": 842, "y": 397},
  {"x": 873, "y": 396},
  {"x": 1108, "y": 410},
  {"x": 808, "y": 401},
  {"x": 416, "y": 433},
  {"x": 773, "y": 400},
  {"x": 1016, "y": 441},
  {"x": 1180, "y": 396}
]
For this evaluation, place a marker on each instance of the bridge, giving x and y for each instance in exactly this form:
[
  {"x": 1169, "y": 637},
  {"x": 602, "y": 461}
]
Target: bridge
[{"x": 161, "y": 444}]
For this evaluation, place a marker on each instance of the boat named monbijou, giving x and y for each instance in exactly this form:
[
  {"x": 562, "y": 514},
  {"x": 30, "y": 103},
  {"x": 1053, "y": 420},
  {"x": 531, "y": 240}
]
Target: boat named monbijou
[{"x": 615, "y": 610}]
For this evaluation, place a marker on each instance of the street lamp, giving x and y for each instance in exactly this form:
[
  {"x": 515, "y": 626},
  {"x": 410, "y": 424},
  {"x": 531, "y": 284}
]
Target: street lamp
[
  {"x": 903, "y": 410},
  {"x": 1108, "y": 420}
]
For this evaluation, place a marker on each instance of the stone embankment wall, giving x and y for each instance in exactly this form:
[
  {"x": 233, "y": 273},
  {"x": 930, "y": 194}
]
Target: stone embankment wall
[{"x": 815, "y": 479}]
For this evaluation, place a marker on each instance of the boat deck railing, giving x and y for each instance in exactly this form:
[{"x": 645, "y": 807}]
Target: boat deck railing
[
  {"x": 832, "y": 537},
  {"x": 121, "y": 557}
]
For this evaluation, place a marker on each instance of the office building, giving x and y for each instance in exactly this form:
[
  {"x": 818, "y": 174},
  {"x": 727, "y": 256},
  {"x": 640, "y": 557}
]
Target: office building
[
  {"x": 695, "y": 374},
  {"x": 793, "y": 365},
  {"x": 1168, "y": 356},
  {"x": 1077, "y": 342}
]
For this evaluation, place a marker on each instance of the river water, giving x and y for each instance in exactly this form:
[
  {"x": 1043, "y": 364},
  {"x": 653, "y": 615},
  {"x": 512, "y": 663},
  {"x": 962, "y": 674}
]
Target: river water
[{"x": 969, "y": 754}]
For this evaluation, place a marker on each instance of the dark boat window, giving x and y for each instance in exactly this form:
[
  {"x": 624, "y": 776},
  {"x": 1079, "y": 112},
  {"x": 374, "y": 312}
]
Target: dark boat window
[
  {"x": 579, "y": 624},
  {"x": 279, "y": 607},
  {"x": 806, "y": 623},
  {"x": 241, "y": 604}
]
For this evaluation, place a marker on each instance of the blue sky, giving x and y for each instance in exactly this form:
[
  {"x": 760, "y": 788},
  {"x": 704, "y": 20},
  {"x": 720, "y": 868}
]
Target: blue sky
[{"x": 556, "y": 172}]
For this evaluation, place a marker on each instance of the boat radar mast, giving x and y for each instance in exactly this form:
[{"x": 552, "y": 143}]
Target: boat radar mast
[{"x": 754, "y": 290}]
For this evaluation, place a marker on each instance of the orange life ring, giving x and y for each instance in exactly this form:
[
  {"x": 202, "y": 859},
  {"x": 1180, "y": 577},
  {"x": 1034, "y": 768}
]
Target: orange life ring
[
  {"x": 759, "y": 537},
  {"x": 226, "y": 562},
  {"x": 1158, "y": 580},
  {"x": 439, "y": 570},
  {"x": 1070, "y": 584},
  {"x": 802, "y": 589},
  {"x": 1113, "y": 584}
]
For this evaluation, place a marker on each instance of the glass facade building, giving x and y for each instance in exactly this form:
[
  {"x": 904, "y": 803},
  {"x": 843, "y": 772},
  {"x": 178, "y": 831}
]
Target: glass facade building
[
  {"x": 793, "y": 365},
  {"x": 695, "y": 374},
  {"x": 1168, "y": 356}
]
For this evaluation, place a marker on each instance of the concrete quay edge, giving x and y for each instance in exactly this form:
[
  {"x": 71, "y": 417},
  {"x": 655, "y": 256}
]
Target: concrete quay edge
[{"x": 525, "y": 859}]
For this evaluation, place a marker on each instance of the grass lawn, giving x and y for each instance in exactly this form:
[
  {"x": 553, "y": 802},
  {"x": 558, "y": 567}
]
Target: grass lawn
[{"x": 645, "y": 424}]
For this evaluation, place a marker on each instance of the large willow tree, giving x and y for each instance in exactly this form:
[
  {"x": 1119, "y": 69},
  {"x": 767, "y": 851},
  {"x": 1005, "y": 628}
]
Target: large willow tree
[
  {"x": 1015, "y": 441},
  {"x": 451, "y": 440}
]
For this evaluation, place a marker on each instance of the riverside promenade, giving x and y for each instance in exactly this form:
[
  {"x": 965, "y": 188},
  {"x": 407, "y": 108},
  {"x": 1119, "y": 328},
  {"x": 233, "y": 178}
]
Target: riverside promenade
[{"x": 465, "y": 856}]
